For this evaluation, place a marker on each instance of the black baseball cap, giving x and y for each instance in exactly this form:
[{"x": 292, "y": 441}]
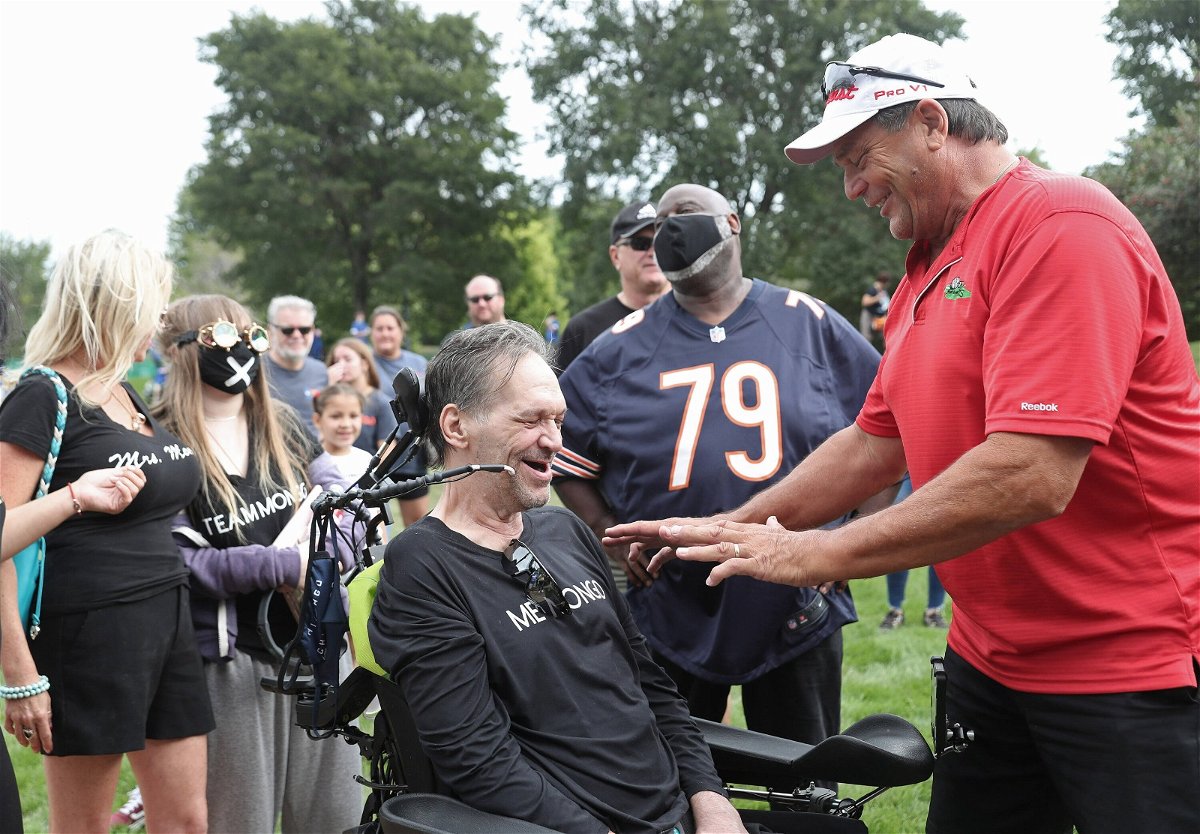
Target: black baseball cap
[{"x": 632, "y": 219}]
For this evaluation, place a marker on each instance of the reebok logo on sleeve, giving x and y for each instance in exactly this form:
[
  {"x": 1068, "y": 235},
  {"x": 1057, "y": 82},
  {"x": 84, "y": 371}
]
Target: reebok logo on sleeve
[{"x": 1039, "y": 407}]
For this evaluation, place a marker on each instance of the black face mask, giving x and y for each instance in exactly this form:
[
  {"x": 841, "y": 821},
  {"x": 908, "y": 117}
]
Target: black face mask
[
  {"x": 683, "y": 241},
  {"x": 231, "y": 371}
]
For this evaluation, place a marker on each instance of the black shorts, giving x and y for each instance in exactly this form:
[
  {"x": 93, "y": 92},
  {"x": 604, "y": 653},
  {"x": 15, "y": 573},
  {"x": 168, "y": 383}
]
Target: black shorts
[{"x": 122, "y": 674}]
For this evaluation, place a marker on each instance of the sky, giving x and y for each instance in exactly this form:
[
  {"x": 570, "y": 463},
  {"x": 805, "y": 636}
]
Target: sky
[{"x": 104, "y": 103}]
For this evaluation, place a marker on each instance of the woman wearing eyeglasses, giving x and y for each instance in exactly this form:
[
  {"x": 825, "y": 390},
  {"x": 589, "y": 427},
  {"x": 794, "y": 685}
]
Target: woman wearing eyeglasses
[
  {"x": 258, "y": 465},
  {"x": 114, "y": 670}
]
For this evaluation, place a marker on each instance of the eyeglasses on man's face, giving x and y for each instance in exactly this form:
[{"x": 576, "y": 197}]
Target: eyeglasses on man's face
[
  {"x": 290, "y": 331},
  {"x": 541, "y": 589},
  {"x": 225, "y": 334},
  {"x": 840, "y": 75},
  {"x": 479, "y": 299},
  {"x": 642, "y": 243}
]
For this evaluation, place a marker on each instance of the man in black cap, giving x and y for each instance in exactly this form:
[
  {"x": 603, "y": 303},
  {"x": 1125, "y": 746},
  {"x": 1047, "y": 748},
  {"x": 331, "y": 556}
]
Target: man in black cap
[{"x": 632, "y": 254}]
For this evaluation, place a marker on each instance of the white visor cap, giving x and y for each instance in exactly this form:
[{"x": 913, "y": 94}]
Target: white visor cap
[{"x": 851, "y": 104}]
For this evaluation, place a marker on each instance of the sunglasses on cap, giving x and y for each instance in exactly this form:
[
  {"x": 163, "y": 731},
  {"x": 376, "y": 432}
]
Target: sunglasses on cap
[
  {"x": 524, "y": 566},
  {"x": 288, "y": 331},
  {"x": 839, "y": 75},
  {"x": 224, "y": 334},
  {"x": 475, "y": 299},
  {"x": 638, "y": 244}
]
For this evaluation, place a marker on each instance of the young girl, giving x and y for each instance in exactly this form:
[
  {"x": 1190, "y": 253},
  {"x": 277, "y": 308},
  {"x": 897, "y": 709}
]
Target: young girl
[
  {"x": 350, "y": 362},
  {"x": 338, "y": 415}
]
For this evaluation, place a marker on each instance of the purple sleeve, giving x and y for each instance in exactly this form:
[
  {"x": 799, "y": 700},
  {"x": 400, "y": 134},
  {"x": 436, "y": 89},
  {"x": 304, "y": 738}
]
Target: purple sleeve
[{"x": 224, "y": 572}]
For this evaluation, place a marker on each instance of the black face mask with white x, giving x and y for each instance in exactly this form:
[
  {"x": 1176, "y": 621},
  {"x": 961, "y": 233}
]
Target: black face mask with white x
[{"x": 232, "y": 370}]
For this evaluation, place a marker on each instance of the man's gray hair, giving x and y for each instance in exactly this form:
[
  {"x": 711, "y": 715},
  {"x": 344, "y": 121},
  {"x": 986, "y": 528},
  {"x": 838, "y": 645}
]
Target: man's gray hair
[
  {"x": 470, "y": 370},
  {"x": 288, "y": 302},
  {"x": 969, "y": 120}
]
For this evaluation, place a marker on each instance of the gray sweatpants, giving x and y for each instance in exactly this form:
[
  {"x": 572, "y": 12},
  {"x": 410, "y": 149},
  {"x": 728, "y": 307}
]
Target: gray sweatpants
[{"x": 261, "y": 765}]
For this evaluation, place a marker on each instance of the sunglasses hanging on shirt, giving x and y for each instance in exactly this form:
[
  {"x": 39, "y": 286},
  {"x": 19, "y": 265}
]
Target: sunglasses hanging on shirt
[{"x": 541, "y": 589}]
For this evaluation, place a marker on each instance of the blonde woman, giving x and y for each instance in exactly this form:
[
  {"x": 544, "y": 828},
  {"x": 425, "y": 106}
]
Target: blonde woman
[
  {"x": 116, "y": 644},
  {"x": 258, "y": 463}
]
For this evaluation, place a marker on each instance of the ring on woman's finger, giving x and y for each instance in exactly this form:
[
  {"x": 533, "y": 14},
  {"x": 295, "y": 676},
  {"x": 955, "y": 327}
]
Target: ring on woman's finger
[
  {"x": 737, "y": 550},
  {"x": 28, "y": 733}
]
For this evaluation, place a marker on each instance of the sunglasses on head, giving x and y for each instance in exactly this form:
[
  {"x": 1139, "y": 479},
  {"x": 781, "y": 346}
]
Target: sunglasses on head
[
  {"x": 839, "y": 76},
  {"x": 225, "y": 334},
  {"x": 475, "y": 299},
  {"x": 288, "y": 331},
  {"x": 638, "y": 244},
  {"x": 524, "y": 566}
]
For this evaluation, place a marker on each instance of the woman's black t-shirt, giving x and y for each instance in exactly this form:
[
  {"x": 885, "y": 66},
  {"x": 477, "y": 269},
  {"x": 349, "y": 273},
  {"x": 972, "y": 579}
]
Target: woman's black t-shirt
[
  {"x": 261, "y": 518},
  {"x": 95, "y": 559}
]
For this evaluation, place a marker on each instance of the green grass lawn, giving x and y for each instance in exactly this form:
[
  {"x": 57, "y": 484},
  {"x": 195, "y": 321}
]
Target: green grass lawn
[{"x": 883, "y": 672}]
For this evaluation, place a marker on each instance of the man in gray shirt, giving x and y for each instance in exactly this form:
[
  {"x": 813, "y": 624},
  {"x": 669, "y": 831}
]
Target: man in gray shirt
[{"x": 293, "y": 376}]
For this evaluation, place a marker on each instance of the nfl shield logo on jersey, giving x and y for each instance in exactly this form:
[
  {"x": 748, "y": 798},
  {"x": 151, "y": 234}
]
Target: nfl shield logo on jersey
[{"x": 717, "y": 334}]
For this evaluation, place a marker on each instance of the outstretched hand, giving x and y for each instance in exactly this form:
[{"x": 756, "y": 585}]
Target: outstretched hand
[
  {"x": 763, "y": 551},
  {"x": 643, "y": 538},
  {"x": 109, "y": 490}
]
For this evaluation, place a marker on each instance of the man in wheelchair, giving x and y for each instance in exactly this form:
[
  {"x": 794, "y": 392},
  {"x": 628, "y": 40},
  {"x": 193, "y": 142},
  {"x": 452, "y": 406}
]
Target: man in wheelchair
[{"x": 532, "y": 690}]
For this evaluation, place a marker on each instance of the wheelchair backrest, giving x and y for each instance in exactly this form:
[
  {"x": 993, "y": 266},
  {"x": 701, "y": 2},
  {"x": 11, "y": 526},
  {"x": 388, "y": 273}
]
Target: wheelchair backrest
[{"x": 361, "y": 591}]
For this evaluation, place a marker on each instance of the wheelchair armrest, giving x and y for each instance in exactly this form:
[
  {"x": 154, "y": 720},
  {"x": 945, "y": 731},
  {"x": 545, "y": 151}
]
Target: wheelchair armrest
[
  {"x": 424, "y": 813},
  {"x": 749, "y": 758},
  {"x": 880, "y": 751}
]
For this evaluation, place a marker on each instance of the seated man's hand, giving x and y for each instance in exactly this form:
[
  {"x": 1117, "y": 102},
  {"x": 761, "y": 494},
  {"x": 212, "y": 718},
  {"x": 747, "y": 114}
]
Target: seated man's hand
[
  {"x": 714, "y": 814},
  {"x": 643, "y": 536},
  {"x": 623, "y": 556}
]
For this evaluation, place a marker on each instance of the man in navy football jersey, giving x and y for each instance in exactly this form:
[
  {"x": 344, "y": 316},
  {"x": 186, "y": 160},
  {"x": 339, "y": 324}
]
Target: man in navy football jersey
[{"x": 687, "y": 408}]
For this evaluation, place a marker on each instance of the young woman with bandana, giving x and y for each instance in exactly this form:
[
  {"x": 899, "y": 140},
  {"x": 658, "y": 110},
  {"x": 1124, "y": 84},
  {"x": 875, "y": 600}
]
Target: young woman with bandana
[
  {"x": 259, "y": 463},
  {"x": 116, "y": 647}
]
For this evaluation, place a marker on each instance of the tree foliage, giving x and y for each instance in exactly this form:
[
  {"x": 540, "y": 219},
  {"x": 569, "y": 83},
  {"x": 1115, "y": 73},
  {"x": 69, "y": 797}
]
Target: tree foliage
[
  {"x": 1159, "y": 55},
  {"x": 1158, "y": 178},
  {"x": 647, "y": 94},
  {"x": 24, "y": 268},
  {"x": 359, "y": 160}
]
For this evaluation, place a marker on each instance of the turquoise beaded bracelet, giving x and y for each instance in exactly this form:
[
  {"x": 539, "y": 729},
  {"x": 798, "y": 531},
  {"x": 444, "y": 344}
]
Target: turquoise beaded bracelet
[{"x": 13, "y": 693}]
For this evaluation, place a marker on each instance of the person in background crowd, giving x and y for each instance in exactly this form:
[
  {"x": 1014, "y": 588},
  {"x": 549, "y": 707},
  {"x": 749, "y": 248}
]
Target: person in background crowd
[
  {"x": 632, "y": 254},
  {"x": 293, "y": 375},
  {"x": 898, "y": 581},
  {"x": 550, "y": 328},
  {"x": 258, "y": 464},
  {"x": 115, "y": 669},
  {"x": 875, "y": 303},
  {"x": 359, "y": 328},
  {"x": 485, "y": 301},
  {"x": 351, "y": 363},
  {"x": 690, "y": 406},
  {"x": 1053, "y": 455},
  {"x": 388, "y": 330},
  {"x": 317, "y": 351}
]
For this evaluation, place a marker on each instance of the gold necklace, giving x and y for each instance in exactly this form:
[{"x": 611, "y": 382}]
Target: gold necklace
[
  {"x": 136, "y": 418},
  {"x": 1007, "y": 168}
]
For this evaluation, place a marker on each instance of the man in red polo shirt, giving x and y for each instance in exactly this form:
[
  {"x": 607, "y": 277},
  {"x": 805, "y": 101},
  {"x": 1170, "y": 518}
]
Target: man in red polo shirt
[{"x": 1055, "y": 459}]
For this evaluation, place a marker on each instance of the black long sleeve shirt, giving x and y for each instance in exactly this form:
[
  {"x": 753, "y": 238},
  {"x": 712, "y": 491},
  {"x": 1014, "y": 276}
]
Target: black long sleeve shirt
[{"x": 565, "y": 722}]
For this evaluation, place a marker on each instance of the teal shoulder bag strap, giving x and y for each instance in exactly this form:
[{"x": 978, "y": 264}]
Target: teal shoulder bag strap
[{"x": 30, "y": 562}]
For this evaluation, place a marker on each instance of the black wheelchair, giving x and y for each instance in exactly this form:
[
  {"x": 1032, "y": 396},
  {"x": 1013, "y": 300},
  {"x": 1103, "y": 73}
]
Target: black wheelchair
[{"x": 406, "y": 797}]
